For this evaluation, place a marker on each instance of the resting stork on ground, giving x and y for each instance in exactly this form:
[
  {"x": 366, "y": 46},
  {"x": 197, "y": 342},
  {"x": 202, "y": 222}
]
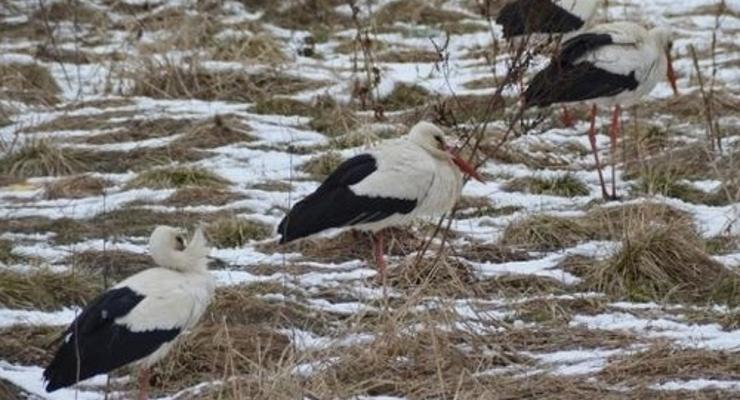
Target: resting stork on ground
[
  {"x": 139, "y": 319},
  {"x": 520, "y": 18},
  {"x": 612, "y": 65},
  {"x": 402, "y": 179}
]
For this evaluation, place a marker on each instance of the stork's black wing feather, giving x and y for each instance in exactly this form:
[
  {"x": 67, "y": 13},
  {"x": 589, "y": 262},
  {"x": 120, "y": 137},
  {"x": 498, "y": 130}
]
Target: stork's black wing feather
[
  {"x": 577, "y": 46},
  {"x": 95, "y": 344},
  {"x": 571, "y": 83},
  {"x": 335, "y": 205},
  {"x": 521, "y": 17}
]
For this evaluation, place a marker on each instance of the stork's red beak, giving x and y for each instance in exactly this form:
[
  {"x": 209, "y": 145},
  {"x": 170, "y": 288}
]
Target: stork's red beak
[
  {"x": 671, "y": 72},
  {"x": 464, "y": 166}
]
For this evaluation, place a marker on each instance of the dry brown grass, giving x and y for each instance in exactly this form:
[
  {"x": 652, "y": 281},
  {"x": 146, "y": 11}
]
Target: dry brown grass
[
  {"x": 447, "y": 277},
  {"x": 558, "y": 312},
  {"x": 664, "y": 362},
  {"x": 321, "y": 166},
  {"x": 28, "y": 345},
  {"x": 138, "y": 159},
  {"x": 546, "y": 232},
  {"x": 492, "y": 253},
  {"x": 405, "y": 96},
  {"x": 351, "y": 245},
  {"x": 230, "y": 231},
  {"x": 334, "y": 121},
  {"x": 177, "y": 177},
  {"x": 565, "y": 185},
  {"x": 516, "y": 286},
  {"x": 196, "y": 196},
  {"x": 132, "y": 129},
  {"x": 171, "y": 81},
  {"x": 415, "y": 11},
  {"x": 75, "y": 187},
  {"x": 116, "y": 264},
  {"x": 408, "y": 56},
  {"x": 29, "y": 83},
  {"x": 261, "y": 47},
  {"x": 215, "y": 132},
  {"x": 70, "y": 10},
  {"x": 665, "y": 263},
  {"x": 46, "y": 290},
  {"x": 39, "y": 157}
]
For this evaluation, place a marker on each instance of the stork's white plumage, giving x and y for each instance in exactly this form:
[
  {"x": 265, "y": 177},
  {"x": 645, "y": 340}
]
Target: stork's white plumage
[
  {"x": 402, "y": 179},
  {"x": 523, "y": 17},
  {"x": 139, "y": 319},
  {"x": 613, "y": 64}
]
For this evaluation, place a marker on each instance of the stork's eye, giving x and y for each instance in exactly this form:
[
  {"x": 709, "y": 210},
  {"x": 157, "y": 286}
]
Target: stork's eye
[
  {"x": 179, "y": 243},
  {"x": 440, "y": 141}
]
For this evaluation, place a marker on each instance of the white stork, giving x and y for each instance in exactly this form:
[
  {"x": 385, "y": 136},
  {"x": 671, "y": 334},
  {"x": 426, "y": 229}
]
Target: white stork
[
  {"x": 549, "y": 17},
  {"x": 139, "y": 319},
  {"x": 524, "y": 17},
  {"x": 611, "y": 65},
  {"x": 399, "y": 180}
]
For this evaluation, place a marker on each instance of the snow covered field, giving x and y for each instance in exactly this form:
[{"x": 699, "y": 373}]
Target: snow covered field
[{"x": 119, "y": 115}]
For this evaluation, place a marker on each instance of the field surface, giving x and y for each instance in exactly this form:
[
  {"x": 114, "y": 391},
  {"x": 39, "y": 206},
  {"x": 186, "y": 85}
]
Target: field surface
[{"x": 120, "y": 115}]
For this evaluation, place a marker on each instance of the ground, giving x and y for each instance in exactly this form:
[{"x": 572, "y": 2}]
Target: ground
[{"x": 119, "y": 115}]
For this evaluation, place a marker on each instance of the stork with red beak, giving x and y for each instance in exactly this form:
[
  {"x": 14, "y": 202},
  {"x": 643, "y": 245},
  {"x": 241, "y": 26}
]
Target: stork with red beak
[
  {"x": 402, "y": 179},
  {"x": 611, "y": 65}
]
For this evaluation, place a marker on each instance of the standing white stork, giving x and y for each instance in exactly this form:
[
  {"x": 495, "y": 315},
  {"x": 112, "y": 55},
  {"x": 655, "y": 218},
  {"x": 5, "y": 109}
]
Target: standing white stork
[
  {"x": 550, "y": 17},
  {"x": 611, "y": 65},
  {"x": 139, "y": 319},
  {"x": 524, "y": 17},
  {"x": 399, "y": 180}
]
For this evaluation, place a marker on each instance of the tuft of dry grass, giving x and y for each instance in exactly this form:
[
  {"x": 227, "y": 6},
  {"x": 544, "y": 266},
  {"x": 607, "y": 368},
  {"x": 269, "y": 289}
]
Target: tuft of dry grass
[
  {"x": 40, "y": 157},
  {"x": 72, "y": 11},
  {"x": 282, "y": 106},
  {"x": 615, "y": 221},
  {"x": 565, "y": 185},
  {"x": 215, "y": 132},
  {"x": 28, "y": 344},
  {"x": 664, "y": 362},
  {"x": 117, "y": 264},
  {"x": 195, "y": 196},
  {"x": 46, "y": 290},
  {"x": 404, "y": 96},
  {"x": 492, "y": 253},
  {"x": 29, "y": 83},
  {"x": 665, "y": 263},
  {"x": 130, "y": 130},
  {"x": 517, "y": 286},
  {"x": 334, "y": 121},
  {"x": 261, "y": 47},
  {"x": 75, "y": 187},
  {"x": 235, "y": 232},
  {"x": 417, "y": 12},
  {"x": 447, "y": 277},
  {"x": 177, "y": 177},
  {"x": 168, "y": 80},
  {"x": 321, "y": 166},
  {"x": 547, "y": 232},
  {"x": 408, "y": 56}
]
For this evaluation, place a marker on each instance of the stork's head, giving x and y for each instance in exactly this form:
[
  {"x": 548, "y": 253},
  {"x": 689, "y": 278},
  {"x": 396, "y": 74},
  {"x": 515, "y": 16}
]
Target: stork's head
[
  {"x": 663, "y": 37},
  {"x": 430, "y": 138},
  {"x": 170, "y": 249}
]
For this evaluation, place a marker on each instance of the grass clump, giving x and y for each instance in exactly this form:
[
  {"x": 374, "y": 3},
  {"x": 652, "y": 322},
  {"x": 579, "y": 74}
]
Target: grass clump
[
  {"x": 169, "y": 80},
  {"x": 75, "y": 187},
  {"x": 227, "y": 232},
  {"x": 260, "y": 47},
  {"x": 282, "y": 106},
  {"x": 29, "y": 83},
  {"x": 447, "y": 277},
  {"x": 46, "y": 290},
  {"x": 665, "y": 263},
  {"x": 116, "y": 264},
  {"x": 177, "y": 177},
  {"x": 321, "y": 166},
  {"x": 40, "y": 158},
  {"x": 565, "y": 186},
  {"x": 405, "y": 96},
  {"x": 334, "y": 121},
  {"x": 28, "y": 345},
  {"x": 194, "y": 196},
  {"x": 415, "y": 11},
  {"x": 664, "y": 362},
  {"x": 215, "y": 132},
  {"x": 547, "y": 232}
]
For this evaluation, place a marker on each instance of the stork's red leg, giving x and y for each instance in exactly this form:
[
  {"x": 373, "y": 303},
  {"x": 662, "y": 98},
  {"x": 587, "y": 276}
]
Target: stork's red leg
[
  {"x": 592, "y": 140},
  {"x": 143, "y": 384},
  {"x": 379, "y": 255},
  {"x": 614, "y": 133},
  {"x": 567, "y": 119}
]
